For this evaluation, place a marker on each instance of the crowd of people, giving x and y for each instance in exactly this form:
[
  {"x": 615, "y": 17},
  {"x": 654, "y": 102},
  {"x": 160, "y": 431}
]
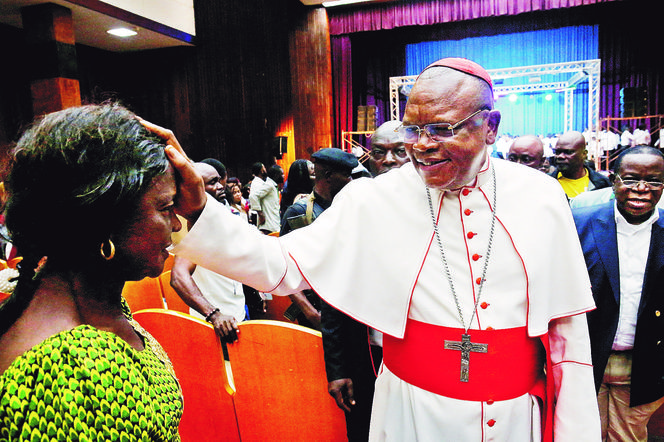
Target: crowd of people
[{"x": 482, "y": 298}]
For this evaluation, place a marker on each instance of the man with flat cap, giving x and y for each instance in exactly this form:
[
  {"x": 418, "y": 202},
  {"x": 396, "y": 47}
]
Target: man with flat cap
[
  {"x": 332, "y": 169},
  {"x": 485, "y": 334}
]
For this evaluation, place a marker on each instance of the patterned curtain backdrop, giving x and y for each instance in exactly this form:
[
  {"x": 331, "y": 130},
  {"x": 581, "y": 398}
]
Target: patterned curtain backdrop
[
  {"x": 412, "y": 13},
  {"x": 539, "y": 113}
]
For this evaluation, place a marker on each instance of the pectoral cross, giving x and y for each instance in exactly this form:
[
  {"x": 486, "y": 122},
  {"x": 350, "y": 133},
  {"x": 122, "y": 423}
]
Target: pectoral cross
[{"x": 465, "y": 346}]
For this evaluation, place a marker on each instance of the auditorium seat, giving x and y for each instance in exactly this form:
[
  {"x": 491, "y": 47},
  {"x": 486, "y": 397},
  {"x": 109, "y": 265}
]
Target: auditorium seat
[
  {"x": 280, "y": 385},
  {"x": 171, "y": 297},
  {"x": 196, "y": 353},
  {"x": 143, "y": 294},
  {"x": 276, "y": 308}
]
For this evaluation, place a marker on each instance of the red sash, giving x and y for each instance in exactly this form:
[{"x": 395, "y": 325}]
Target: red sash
[{"x": 512, "y": 366}]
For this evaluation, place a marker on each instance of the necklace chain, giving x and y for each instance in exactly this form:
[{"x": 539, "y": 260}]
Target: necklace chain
[{"x": 446, "y": 267}]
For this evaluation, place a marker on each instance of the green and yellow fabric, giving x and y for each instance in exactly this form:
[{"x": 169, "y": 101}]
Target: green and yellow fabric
[{"x": 85, "y": 384}]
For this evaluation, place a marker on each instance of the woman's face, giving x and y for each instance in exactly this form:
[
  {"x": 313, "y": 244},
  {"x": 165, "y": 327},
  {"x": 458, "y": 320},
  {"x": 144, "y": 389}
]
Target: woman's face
[
  {"x": 142, "y": 246},
  {"x": 237, "y": 194}
]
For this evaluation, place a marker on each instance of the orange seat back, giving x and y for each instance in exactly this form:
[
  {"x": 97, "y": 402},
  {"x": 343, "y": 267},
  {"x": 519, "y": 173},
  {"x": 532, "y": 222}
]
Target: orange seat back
[
  {"x": 171, "y": 297},
  {"x": 276, "y": 308},
  {"x": 143, "y": 294},
  {"x": 195, "y": 351},
  {"x": 281, "y": 387}
]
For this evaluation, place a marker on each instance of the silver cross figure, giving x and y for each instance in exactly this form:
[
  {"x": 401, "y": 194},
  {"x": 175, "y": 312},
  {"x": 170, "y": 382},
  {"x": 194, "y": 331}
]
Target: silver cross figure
[{"x": 465, "y": 346}]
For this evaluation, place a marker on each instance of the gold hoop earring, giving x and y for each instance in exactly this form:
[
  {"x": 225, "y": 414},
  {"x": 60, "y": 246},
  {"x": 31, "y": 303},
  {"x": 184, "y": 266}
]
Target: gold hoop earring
[{"x": 111, "y": 255}]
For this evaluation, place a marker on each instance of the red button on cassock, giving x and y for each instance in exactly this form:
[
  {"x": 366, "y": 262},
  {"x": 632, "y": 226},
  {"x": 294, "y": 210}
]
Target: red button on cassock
[
  {"x": 491, "y": 422},
  {"x": 467, "y": 212},
  {"x": 489, "y": 402},
  {"x": 484, "y": 305},
  {"x": 476, "y": 257},
  {"x": 470, "y": 235},
  {"x": 478, "y": 281},
  {"x": 465, "y": 192}
]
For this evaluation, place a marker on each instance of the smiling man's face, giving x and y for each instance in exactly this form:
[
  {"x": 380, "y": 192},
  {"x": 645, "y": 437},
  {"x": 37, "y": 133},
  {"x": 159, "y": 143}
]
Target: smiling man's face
[
  {"x": 637, "y": 203},
  {"x": 449, "y": 96}
]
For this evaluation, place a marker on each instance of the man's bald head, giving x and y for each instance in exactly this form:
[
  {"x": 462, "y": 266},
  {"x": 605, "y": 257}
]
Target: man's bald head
[
  {"x": 527, "y": 150},
  {"x": 387, "y": 149},
  {"x": 571, "y": 153},
  {"x": 449, "y": 97}
]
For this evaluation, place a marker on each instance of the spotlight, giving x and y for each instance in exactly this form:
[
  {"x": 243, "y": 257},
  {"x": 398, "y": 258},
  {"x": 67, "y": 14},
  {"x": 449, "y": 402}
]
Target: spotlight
[{"x": 122, "y": 32}]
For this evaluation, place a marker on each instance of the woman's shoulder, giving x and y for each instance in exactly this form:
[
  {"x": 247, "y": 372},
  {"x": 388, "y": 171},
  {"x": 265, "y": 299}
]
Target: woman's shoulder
[{"x": 66, "y": 348}]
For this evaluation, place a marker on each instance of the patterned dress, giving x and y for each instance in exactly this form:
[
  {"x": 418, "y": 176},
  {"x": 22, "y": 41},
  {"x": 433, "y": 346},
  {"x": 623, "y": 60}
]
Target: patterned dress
[{"x": 85, "y": 384}]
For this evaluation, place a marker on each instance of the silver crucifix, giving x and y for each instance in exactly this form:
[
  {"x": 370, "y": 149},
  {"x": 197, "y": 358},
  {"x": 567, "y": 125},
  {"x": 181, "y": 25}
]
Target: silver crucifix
[{"x": 465, "y": 346}]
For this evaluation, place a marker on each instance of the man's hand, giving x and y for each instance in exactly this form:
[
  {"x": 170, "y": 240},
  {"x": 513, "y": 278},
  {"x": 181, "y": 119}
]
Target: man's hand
[
  {"x": 191, "y": 196},
  {"x": 226, "y": 327},
  {"x": 342, "y": 392},
  {"x": 261, "y": 218}
]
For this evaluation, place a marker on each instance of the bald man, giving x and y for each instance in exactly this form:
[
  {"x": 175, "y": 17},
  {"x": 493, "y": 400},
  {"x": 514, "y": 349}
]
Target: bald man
[
  {"x": 387, "y": 148},
  {"x": 571, "y": 172},
  {"x": 527, "y": 150}
]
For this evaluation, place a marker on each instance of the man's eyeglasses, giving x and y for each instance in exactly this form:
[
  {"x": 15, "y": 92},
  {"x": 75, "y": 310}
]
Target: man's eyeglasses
[
  {"x": 655, "y": 185},
  {"x": 515, "y": 158},
  {"x": 435, "y": 131},
  {"x": 379, "y": 154}
]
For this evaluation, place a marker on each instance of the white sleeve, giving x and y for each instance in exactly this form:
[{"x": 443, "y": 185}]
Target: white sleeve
[
  {"x": 228, "y": 245},
  {"x": 257, "y": 192},
  {"x": 576, "y": 411}
]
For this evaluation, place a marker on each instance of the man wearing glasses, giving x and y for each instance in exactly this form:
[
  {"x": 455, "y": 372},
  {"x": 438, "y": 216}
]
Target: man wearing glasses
[
  {"x": 484, "y": 330},
  {"x": 387, "y": 149},
  {"x": 623, "y": 244},
  {"x": 527, "y": 150},
  {"x": 571, "y": 172}
]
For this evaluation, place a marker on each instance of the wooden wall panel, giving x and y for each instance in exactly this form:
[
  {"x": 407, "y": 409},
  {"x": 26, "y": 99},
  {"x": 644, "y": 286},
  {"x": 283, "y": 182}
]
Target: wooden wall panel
[{"x": 311, "y": 76}]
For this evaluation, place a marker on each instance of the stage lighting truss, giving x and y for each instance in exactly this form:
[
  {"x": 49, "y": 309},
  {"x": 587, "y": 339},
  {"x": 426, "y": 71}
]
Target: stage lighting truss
[{"x": 576, "y": 71}]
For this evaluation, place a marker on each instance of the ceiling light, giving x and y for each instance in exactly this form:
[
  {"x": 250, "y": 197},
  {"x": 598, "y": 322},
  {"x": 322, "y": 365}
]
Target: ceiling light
[
  {"x": 332, "y": 3},
  {"x": 122, "y": 32}
]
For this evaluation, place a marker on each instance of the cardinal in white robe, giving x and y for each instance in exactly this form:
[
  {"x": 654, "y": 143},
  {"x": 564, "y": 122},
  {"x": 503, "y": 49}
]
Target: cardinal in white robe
[{"x": 482, "y": 301}]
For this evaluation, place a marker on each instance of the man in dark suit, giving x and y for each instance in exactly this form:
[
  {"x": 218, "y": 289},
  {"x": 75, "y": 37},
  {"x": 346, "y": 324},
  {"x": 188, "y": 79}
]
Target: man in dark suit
[{"x": 623, "y": 245}]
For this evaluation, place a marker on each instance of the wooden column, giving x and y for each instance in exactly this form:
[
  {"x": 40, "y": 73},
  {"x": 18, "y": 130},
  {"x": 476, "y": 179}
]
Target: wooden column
[
  {"x": 311, "y": 79},
  {"x": 53, "y": 68}
]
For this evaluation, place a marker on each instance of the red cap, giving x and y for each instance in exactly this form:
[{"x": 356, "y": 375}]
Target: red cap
[{"x": 463, "y": 65}]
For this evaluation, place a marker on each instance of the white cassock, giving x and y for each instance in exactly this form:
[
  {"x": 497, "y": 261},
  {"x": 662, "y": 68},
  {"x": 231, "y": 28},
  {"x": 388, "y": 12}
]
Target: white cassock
[{"x": 391, "y": 272}]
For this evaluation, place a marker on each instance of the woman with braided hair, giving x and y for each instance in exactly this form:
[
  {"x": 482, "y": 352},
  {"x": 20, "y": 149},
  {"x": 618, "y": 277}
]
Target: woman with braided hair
[{"x": 90, "y": 206}]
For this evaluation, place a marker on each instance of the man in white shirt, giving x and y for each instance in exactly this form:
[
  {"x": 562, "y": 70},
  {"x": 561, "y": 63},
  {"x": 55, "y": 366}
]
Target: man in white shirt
[
  {"x": 267, "y": 196},
  {"x": 259, "y": 172},
  {"x": 623, "y": 244},
  {"x": 210, "y": 296}
]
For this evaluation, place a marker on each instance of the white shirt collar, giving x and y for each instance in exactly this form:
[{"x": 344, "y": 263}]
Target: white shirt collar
[{"x": 624, "y": 226}]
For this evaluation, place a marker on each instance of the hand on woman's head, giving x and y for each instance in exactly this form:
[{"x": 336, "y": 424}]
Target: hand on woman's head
[{"x": 191, "y": 196}]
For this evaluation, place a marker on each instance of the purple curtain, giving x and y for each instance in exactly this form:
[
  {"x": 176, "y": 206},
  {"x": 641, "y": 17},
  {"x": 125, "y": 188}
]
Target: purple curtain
[
  {"x": 342, "y": 90},
  {"x": 412, "y": 13}
]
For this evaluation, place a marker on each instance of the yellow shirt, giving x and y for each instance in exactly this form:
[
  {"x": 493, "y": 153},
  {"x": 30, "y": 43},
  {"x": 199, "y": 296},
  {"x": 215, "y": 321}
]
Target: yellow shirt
[{"x": 574, "y": 187}]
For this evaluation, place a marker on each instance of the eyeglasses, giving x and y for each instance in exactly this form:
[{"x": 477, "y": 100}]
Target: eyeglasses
[
  {"x": 655, "y": 185},
  {"x": 379, "y": 154},
  {"x": 515, "y": 158},
  {"x": 435, "y": 131}
]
